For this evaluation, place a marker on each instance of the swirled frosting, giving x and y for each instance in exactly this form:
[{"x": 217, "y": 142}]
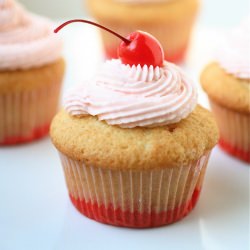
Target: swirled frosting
[
  {"x": 135, "y": 96},
  {"x": 233, "y": 53},
  {"x": 26, "y": 40}
]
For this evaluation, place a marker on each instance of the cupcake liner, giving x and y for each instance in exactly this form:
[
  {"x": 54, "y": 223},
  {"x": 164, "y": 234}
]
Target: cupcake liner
[
  {"x": 131, "y": 198},
  {"x": 174, "y": 37},
  {"x": 26, "y": 115},
  {"x": 234, "y": 131}
]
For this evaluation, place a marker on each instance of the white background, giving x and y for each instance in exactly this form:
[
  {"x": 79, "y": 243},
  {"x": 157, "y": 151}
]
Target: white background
[{"x": 35, "y": 212}]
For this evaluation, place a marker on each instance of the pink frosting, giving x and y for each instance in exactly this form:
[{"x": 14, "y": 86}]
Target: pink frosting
[
  {"x": 135, "y": 96},
  {"x": 26, "y": 40},
  {"x": 233, "y": 53}
]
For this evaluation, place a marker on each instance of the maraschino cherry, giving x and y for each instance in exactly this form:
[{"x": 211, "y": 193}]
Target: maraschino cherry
[{"x": 137, "y": 48}]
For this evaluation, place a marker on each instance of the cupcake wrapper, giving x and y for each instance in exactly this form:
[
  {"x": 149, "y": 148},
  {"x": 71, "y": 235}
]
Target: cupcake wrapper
[
  {"x": 174, "y": 37},
  {"x": 234, "y": 131},
  {"x": 26, "y": 115},
  {"x": 129, "y": 198}
]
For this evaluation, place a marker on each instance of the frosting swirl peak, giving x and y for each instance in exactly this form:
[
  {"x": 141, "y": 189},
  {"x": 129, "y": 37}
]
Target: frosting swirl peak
[
  {"x": 233, "y": 54},
  {"x": 11, "y": 15},
  {"x": 135, "y": 96},
  {"x": 26, "y": 40}
]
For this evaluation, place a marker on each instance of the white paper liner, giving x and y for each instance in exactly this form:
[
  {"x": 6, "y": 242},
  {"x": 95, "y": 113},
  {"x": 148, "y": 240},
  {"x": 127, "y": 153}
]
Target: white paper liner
[
  {"x": 142, "y": 191},
  {"x": 24, "y": 112},
  {"x": 234, "y": 127}
]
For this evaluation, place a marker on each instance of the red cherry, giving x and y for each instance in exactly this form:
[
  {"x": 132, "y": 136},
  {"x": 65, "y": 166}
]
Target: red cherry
[
  {"x": 138, "y": 48},
  {"x": 143, "y": 49}
]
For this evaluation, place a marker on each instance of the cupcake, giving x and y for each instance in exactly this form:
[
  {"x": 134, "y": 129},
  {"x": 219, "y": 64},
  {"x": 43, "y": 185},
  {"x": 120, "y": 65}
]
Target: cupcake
[
  {"x": 227, "y": 83},
  {"x": 170, "y": 21},
  {"x": 133, "y": 143},
  {"x": 31, "y": 73}
]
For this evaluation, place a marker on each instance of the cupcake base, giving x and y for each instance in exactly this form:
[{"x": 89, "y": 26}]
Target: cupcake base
[
  {"x": 234, "y": 131},
  {"x": 35, "y": 134},
  {"x": 134, "y": 198},
  {"x": 235, "y": 151},
  {"x": 28, "y": 102},
  {"x": 26, "y": 116},
  {"x": 118, "y": 217}
]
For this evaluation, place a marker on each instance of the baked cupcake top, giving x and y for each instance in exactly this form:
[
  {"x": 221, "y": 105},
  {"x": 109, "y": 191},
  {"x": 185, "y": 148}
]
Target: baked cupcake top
[
  {"x": 227, "y": 79},
  {"x": 26, "y": 40},
  {"x": 99, "y": 144},
  {"x": 233, "y": 54}
]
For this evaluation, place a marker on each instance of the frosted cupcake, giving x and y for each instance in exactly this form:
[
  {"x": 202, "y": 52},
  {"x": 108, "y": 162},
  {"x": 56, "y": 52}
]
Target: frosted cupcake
[
  {"x": 170, "y": 21},
  {"x": 133, "y": 143},
  {"x": 31, "y": 73},
  {"x": 227, "y": 83}
]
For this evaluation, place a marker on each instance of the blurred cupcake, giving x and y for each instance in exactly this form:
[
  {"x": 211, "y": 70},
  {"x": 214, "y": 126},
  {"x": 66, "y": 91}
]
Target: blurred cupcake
[
  {"x": 133, "y": 143},
  {"x": 170, "y": 21},
  {"x": 31, "y": 73},
  {"x": 227, "y": 83}
]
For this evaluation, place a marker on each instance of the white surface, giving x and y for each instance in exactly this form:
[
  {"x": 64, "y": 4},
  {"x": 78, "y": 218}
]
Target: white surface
[{"x": 36, "y": 214}]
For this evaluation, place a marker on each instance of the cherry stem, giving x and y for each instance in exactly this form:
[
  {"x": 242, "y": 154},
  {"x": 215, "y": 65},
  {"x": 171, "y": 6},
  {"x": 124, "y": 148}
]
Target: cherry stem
[{"x": 92, "y": 23}]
